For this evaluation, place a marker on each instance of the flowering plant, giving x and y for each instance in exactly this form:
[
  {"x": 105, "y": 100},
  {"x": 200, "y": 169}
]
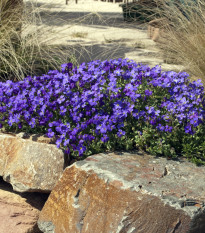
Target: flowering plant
[{"x": 109, "y": 105}]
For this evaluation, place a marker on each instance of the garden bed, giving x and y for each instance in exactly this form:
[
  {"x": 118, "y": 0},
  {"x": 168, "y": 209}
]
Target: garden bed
[{"x": 110, "y": 105}]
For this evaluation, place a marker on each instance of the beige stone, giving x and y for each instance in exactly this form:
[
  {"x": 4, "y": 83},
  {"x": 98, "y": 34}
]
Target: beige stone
[
  {"x": 133, "y": 193},
  {"x": 30, "y": 166},
  {"x": 16, "y": 215}
]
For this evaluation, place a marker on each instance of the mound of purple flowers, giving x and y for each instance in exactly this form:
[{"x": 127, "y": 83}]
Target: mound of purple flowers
[{"x": 107, "y": 105}]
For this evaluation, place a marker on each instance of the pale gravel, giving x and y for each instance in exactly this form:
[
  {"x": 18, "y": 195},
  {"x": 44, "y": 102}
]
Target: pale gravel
[{"x": 104, "y": 34}]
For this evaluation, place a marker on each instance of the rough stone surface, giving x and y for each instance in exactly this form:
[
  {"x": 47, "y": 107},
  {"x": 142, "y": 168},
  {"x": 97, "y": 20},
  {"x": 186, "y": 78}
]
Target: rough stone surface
[
  {"x": 30, "y": 165},
  {"x": 127, "y": 193},
  {"x": 19, "y": 212},
  {"x": 16, "y": 215}
]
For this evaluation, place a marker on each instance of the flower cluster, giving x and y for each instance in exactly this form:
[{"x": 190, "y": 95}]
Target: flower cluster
[{"x": 103, "y": 103}]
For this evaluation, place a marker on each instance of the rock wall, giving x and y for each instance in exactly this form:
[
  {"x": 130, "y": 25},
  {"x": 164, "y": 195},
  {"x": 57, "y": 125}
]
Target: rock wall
[{"x": 105, "y": 193}]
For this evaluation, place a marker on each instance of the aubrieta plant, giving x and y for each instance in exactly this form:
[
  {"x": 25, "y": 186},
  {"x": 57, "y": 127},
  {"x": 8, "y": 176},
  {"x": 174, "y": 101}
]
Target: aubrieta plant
[{"x": 110, "y": 105}]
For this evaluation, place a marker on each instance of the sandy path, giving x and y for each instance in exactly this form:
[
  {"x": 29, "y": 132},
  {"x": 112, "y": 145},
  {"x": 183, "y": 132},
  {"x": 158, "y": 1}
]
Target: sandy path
[{"x": 96, "y": 30}]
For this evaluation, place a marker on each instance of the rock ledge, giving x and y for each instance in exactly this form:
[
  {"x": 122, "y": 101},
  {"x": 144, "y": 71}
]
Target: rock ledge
[{"x": 127, "y": 193}]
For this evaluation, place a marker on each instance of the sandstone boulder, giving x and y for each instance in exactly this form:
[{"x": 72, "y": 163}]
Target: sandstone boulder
[
  {"x": 30, "y": 165},
  {"x": 127, "y": 193},
  {"x": 16, "y": 215},
  {"x": 19, "y": 211}
]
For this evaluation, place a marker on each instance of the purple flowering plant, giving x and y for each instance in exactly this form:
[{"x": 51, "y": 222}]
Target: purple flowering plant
[{"x": 110, "y": 105}]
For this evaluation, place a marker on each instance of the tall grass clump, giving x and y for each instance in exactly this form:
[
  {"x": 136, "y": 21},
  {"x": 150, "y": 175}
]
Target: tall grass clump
[
  {"x": 23, "y": 50},
  {"x": 140, "y": 11},
  {"x": 183, "y": 40}
]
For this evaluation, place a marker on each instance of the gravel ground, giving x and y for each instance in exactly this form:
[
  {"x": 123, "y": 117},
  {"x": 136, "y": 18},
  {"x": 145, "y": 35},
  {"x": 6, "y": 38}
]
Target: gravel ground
[{"x": 96, "y": 30}]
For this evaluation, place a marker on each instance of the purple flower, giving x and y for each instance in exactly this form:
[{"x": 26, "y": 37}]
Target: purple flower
[
  {"x": 58, "y": 142},
  {"x": 102, "y": 128},
  {"x": 81, "y": 149},
  {"x": 66, "y": 67},
  {"x": 32, "y": 122},
  {"x": 11, "y": 121},
  {"x": 105, "y": 138},
  {"x": 194, "y": 120},
  {"x": 188, "y": 129},
  {"x": 129, "y": 87},
  {"x": 180, "y": 117},
  {"x": 66, "y": 142},
  {"x": 153, "y": 121},
  {"x": 50, "y": 133},
  {"x": 160, "y": 127},
  {"x": 148, "y": 92},
  {"x": 61, "y": 99},
  {"x": 150, "y": 109},
  {"x": 118, "y": 104},
  {"x": 168, "y": 128},
  {"x": 67, "y": 151},
  {"x": 92, "y": 102},
  {"x": 120, "y": 133},
  {"x": 62, "y": 110}
]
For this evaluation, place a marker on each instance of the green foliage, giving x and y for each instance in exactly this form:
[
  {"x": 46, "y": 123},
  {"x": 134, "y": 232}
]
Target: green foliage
[{"x": 193, "y": 147}]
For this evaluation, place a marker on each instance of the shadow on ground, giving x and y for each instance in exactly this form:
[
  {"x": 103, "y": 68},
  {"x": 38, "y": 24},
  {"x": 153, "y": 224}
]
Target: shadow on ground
[
  {"x": 37, "y": 200},
  {"x": 86, "y": 52},
  {"x": 99, "y": 19}
]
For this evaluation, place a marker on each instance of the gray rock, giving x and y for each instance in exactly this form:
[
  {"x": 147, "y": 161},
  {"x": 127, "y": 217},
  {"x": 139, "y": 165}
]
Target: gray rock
[
  {"x": 127, "y": 193},
  {"x": 46, "y": 227}
]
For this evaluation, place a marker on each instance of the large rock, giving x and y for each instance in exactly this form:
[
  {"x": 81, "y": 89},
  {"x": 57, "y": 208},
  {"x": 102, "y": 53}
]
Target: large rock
[
  {"x": 128, "y": 193},
  {"x": 16, "y": 215},
  {"x": 19, "y": 211},
  {"x": 30, "y": 165}
]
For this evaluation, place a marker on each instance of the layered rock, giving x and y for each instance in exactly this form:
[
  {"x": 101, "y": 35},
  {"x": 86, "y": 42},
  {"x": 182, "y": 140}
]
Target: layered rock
[
  {"x": 16, "y": 215},
  {"x": 30, "y": 165},
  {"x": 124, "y": 193}
]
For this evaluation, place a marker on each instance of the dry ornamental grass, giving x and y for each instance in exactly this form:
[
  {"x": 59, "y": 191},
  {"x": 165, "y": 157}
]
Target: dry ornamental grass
[
  {"x": 183, "y": 40},
  {"x": 22, "y": 48}
]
